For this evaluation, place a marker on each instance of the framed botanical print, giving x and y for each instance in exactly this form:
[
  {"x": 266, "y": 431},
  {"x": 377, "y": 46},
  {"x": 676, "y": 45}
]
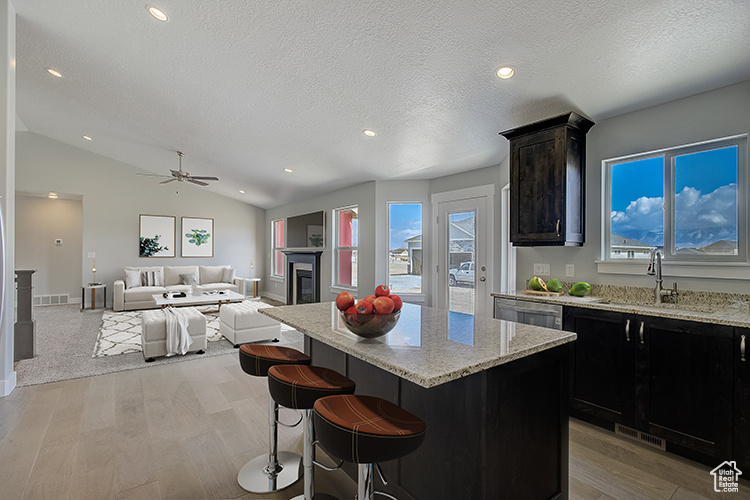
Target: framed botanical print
[
  {"x": 156, "y": 236},
  {"x": 197, "y": 237}
]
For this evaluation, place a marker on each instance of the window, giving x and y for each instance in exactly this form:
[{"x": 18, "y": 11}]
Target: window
[
  {"x": 277, "y": 237},
  {"x": 345, "y": 246},
  {"x": 405, "y": 247},
  {"x": 684, "y": 199}
]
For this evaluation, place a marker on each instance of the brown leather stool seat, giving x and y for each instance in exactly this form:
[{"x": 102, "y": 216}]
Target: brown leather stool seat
[
  {"x": 366, "y": 429},
  {"x": 256, "y": 359},
  {"x": 298, "y": 386}
]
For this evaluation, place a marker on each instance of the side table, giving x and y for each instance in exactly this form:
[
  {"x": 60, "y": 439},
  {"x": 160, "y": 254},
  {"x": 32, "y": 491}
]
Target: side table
[
  {"x": 245, "y": 290},
  {"x": 93, "y": 287}
]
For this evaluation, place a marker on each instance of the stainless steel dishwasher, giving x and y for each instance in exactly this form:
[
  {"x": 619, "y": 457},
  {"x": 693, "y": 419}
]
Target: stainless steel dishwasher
[{"x": 530, "y": 313}]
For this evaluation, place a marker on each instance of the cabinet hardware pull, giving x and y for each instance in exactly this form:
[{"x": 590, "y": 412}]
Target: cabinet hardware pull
[
  {"x": 557, "y": 227},
  {"x": 742, "y": 348},
  {"x": 640, "y": 332},
  {"x": 482, "y": 279},
  {"x": 627, "y": 330}
]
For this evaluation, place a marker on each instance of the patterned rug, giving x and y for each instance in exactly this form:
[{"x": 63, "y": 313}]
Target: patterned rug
[{"x": 120, "y": 332}]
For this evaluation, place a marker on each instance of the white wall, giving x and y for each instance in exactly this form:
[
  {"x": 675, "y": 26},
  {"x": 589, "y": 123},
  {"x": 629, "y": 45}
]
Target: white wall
[
  {"x": 720, "y": 113},
  {"x": 39, "y": 222},
  {"x": 114, "y": 197}
]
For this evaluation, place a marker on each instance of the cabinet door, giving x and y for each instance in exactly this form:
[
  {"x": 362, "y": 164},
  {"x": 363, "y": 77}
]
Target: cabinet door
[
  {"x": 741, "y": 351},
  {"x": 603, "y": 373},
  {"x": 537, "y": 188},
  {"x": 684, "y": 384}
]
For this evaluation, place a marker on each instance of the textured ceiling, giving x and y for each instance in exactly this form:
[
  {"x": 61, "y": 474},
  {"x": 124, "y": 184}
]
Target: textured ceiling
[{"x": 248, "y": 88}]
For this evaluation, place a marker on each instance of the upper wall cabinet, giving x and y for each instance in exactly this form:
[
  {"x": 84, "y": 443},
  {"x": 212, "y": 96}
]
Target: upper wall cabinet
[{"x": 547, "y": 172}]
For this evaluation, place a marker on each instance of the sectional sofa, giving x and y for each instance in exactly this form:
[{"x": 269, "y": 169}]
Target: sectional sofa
[{"x": 135, "y": 291}]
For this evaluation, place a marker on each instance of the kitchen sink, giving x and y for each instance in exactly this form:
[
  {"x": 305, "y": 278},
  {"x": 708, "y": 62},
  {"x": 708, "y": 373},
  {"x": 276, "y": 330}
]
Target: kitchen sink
[{"x": 702, "y": 308}]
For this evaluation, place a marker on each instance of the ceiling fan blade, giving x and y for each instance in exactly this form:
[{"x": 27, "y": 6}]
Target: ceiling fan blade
[
  {"x": 197, "y": 182},
  {"x": 204, "y": 178},
  {"x": 168, "y": 180},
  {"x": 153, "y": 175},
  {"x": 176, "y": 173}
]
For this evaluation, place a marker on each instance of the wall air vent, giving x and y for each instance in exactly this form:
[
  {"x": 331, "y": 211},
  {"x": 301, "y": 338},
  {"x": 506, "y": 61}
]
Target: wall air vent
[
  {"x": 51, "y": 300},
  {"x": 641, "y": 437}
]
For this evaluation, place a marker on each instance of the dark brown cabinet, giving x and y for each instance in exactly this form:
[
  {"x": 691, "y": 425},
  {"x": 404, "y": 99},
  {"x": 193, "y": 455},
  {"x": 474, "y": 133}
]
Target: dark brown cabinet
[
  {"x": 603, "y": 377},
  {"x": 547, "y": 172},
  {"x": 742, "y": 398},
  {"x": 669, "y": 378}
]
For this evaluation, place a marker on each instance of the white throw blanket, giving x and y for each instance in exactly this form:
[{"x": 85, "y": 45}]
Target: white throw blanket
[{"x": 178, "y": 338}]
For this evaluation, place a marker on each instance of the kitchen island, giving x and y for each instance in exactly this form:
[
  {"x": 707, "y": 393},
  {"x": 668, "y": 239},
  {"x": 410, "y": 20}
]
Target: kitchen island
[{"x": 493, "y": 394}]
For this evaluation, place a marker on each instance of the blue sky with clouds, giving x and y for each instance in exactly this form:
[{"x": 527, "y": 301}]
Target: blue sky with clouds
[
  {"x": 705, "y": 199},
  {"x": 405, "y": 221}
]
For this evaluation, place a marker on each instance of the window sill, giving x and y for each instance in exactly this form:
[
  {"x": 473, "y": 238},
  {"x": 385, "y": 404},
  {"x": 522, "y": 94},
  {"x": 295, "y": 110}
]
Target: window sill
[
  {"x": 277, "y": 279},
  {"x": 714, "y": 270},
  {"x": 339, "y": 288}
]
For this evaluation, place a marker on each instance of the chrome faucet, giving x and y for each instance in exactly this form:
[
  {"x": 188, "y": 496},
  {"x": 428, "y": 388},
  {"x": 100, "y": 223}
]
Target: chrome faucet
[{"x": 654, "y": 268}]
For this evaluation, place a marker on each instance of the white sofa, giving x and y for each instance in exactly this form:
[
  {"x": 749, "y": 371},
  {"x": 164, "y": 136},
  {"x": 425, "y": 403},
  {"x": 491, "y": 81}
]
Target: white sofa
[{"x": 141, "y": 296}]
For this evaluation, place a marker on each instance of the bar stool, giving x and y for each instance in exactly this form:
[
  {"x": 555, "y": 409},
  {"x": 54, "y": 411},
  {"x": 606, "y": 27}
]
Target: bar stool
[
  {"x": 298, "y": 386},
  {"x": 366, "y": 430},
  {"x": 276, "y": 470}
]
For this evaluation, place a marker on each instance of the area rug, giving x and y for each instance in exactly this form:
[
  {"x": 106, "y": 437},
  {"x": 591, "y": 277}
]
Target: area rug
[
  {"x": 120, "y": 332},
  {"x": 65, "y": 335}
]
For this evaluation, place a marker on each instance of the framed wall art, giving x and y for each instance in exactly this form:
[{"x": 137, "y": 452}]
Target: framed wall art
[
  {"x": 197, "y": 236},
  {"x": 156, "y": 236}
]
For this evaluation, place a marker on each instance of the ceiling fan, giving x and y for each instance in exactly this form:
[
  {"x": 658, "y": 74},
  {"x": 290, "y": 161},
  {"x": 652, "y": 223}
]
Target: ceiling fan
[{"x": 179, "y": 175}]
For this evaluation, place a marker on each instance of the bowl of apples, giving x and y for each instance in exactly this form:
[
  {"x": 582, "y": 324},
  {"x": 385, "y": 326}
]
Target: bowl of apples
[{"x": 371, "y": 317}]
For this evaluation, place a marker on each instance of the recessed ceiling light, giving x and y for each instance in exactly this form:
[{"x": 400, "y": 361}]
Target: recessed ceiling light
[
  {"x": 52, "y": 196},
  {"x": 505, "y": 72},
  {"x": 242, "y": 192},
  {"x": 288, "y": 170},
  {"x": 158, "y": 14},
  {"x": 87, "y": 138},
  {"x": 54, "y": 72},
  {"x": 368, "y": 132}
]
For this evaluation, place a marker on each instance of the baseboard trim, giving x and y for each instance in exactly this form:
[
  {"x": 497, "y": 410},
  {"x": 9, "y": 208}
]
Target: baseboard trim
[
  {"x": 7, "y": 385},
  {"x": 273, "y": 296}
]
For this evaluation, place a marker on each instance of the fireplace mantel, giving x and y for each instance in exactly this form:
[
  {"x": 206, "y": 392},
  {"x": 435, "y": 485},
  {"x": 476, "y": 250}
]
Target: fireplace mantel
[{"x": 302, "y": 256}]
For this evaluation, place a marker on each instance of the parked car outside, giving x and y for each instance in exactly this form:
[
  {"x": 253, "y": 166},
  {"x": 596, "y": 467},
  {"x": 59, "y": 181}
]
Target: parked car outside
[{"x": 464, "y": 274}]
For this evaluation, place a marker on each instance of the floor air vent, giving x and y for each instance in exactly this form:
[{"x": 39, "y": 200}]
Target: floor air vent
[
  {"x": 641, "y": 437},
  {"x": 51, "y": 300}
]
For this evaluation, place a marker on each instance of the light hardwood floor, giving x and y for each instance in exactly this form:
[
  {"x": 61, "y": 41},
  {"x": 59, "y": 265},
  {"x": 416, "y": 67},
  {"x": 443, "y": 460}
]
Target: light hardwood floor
[{"x": 183, "y": 430}]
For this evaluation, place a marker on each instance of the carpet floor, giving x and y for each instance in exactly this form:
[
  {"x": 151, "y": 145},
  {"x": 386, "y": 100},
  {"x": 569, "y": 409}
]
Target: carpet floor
[{"x": 65, "y": 338}]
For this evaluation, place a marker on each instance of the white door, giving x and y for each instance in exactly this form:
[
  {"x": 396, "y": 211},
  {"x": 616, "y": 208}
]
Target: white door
[{"x": 464, "y": 254}]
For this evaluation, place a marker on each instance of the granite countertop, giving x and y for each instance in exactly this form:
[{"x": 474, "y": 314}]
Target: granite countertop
[
  {"x": 428, "y": 346},
  {"x": 707, "y": 307}
]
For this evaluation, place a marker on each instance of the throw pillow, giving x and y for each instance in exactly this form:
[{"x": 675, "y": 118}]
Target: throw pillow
[
  {"x": 150, "y": 278},
  {"x": 189, "y": 279},
  {"x": 228, "y": 275},
  {"x": 132, "y": 278}
]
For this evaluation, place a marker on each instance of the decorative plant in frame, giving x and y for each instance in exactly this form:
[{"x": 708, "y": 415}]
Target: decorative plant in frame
[
  {"x": 151, "y": 246},
  {"x": 198, "y": 236},
  {"x": 156, "y": 236}
]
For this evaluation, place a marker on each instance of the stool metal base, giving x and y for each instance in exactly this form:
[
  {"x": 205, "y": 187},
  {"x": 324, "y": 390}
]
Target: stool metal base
[
  {"x": 254, "y": 478},
  {"x": 317, "y": 496}
]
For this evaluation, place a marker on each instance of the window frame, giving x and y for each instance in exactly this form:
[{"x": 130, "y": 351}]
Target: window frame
[
  {"x": 421, "y": 204},
  {"x": 335, "y": 284},
  {"x": 274, "y": 249},
  {"x": 670, "y": 257}
]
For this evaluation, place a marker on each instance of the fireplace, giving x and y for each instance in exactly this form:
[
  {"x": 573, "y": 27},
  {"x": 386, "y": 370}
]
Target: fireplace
[{"x": 303, "y": 282}]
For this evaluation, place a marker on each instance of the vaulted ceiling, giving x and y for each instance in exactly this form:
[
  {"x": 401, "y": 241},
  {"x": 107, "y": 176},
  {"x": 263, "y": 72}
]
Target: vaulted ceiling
[{"x": 247, "y": 89}]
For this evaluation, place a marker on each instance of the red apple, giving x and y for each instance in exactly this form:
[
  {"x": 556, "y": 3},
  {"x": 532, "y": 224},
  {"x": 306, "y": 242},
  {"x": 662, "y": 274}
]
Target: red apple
[
  {"x": 364, "y": 306},
  {"x": 383, "y": 305},
  {"x": 397, "y": 302},
  {"x": 371, "y": 298},
  {"x": 351, "y": 310},
  {"x": 344, "y": 301},
  {"x": 382, "y": 291}
]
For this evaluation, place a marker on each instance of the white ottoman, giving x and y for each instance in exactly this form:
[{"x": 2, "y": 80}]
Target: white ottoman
[
  {"x": 241, "y": 323},
  {"x": 154, "y": 332}
]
